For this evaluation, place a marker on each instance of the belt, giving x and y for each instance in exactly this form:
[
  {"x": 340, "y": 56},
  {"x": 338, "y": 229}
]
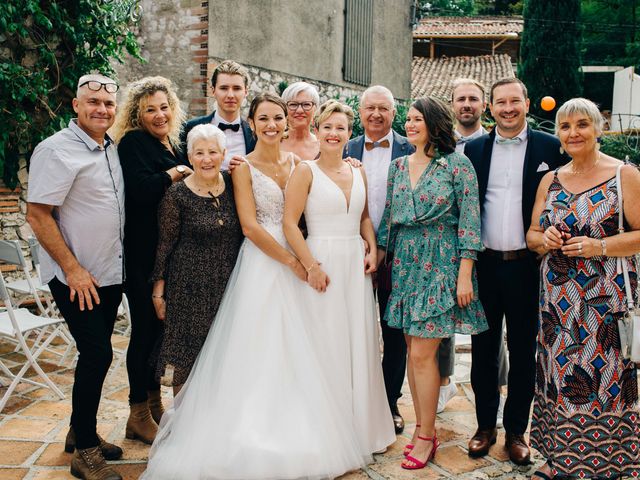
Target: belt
[{"x": 509, "y": 255}]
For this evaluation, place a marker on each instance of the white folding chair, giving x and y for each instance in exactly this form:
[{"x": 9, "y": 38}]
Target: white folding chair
[
  {"x": 16, "y": 324},
  {"x": 11, "y": 253}
]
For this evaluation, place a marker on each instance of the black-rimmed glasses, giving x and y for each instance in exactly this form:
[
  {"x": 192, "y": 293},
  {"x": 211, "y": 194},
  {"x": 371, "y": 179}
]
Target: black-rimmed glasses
[
  {"x": 306, "y": 106},
  {"x": 95, "y": 85}
]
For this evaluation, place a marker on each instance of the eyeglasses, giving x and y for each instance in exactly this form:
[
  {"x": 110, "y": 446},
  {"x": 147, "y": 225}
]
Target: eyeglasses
[
  {"x": 96, "y": 86},
  {"x": 306, "y": 106}
]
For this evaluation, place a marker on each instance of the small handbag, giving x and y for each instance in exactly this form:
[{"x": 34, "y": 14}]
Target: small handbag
[{"x": 629, "y": 323}]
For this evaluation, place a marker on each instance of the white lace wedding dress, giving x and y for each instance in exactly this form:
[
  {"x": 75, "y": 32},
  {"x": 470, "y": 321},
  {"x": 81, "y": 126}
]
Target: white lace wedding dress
[{"x": 258, "y": 404}]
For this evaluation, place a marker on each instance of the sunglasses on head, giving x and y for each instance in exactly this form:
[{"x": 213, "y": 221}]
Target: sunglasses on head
[{"x": 95, "y": 85}]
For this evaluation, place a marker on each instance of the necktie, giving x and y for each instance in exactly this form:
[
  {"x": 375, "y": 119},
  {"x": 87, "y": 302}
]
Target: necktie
[
  {"x": 229, "y": 126},
  {"x": 371, "y": 145},
  {"x": 509, "y": 141}
]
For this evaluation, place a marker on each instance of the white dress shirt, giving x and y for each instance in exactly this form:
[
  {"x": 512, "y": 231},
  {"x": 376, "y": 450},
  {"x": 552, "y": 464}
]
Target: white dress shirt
[
  {"x": 376, "y": 164},
  {"x": 461, "y": 140},
  {"x": 502, "y": 223},
  {"x": 235, "y": 140}
]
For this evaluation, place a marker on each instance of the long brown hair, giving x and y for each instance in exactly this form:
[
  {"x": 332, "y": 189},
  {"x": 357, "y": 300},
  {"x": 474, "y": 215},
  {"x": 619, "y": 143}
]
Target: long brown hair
[{"x": 438, "y": 118}]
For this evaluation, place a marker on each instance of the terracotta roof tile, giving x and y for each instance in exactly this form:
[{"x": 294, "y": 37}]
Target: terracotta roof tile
[
  {"x": 433, "y": 77},
  {"x": 468, "y": 26}
]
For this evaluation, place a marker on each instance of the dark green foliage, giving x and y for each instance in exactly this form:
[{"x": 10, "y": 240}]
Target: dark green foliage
[
  {"x": 45, "y": 46},
  {"x": 611, "y": 35},
  {"x": 549, "y": 51},
  {"x": 621, "y": 146}
]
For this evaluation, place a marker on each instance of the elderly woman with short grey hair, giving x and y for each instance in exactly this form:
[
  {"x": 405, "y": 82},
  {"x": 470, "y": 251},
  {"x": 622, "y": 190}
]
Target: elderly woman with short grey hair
[
  {"x": 585, "y": 418},
  {"x": 302, "y": 100},
  {"x": 199, "y": 240}
]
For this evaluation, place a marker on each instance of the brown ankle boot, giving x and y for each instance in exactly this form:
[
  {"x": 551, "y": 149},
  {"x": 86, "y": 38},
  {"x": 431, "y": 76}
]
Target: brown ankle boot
[
  {"x": 155, "y": 405},
  {"x": 140, "y": 425},
  {"x": 89, "y": 464},
  {"x": 109, "y": 450}
]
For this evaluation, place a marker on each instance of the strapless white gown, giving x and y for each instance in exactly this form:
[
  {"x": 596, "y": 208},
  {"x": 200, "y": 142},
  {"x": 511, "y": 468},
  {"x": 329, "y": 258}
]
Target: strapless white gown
[{"x": 258, "y": 403}]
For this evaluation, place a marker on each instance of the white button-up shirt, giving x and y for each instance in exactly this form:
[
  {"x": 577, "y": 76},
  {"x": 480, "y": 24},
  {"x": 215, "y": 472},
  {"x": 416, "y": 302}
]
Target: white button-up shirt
[
  {"x": 462, "y": 140},
  {"x": 502, "y": 223},
  {"x": 235, "y": 140},
  {"x": 84, "y": 183},
  {"x": 376, "y": 164}
]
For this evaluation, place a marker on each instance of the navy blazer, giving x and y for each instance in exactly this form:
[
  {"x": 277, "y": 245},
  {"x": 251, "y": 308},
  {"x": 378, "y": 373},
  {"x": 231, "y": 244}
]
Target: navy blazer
[
  {"x": 400, "y": 147},
  {"x": 541, "y": 148},
  {"x": 249, "y": 139}
]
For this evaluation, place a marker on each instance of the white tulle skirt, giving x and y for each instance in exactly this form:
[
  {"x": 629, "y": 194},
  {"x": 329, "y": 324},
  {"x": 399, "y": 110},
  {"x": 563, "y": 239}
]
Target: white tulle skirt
[{"x": 259, "y": 403}]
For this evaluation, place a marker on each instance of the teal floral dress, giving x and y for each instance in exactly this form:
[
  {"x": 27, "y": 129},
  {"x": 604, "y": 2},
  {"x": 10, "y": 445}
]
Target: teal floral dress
[{"x": 428, "y": 230}]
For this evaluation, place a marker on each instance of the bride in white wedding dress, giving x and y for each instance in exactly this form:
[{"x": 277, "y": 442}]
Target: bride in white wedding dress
[{"x": 259, "y": 403}]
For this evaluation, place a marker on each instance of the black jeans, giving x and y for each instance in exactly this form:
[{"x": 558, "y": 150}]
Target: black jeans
[
  {"x": 91, "y": 329},
  {"x": 507, "y": 289},
  {"x": 146, "y": 331}
]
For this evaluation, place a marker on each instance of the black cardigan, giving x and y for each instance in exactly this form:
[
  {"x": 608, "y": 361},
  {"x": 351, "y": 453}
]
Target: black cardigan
[{"x": 144, "y": 161}]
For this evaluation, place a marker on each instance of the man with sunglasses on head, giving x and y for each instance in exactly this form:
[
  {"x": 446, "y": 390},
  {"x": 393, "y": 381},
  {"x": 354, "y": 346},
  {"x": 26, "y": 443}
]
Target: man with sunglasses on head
[
  {"x": 229, "y": 85},
  {"x": 76, "y": 210}
]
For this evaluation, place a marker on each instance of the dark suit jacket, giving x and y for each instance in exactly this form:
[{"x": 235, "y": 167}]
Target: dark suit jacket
[
  {"x": 541, "y": 148},
  {"x": 400, "y": 147},
  {"x": 249, "y": 140}
]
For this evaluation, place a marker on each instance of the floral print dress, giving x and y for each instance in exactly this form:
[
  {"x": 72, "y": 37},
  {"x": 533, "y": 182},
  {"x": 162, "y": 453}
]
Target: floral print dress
[
  {"x": 428, "y": 229},
  {"x": 585, "y": 417}
]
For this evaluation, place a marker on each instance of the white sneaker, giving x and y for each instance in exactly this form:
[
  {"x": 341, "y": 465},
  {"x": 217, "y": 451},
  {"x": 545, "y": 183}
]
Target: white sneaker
[
  {"x": 500, "y": 415},
  {"x": 447, "y": 392}
]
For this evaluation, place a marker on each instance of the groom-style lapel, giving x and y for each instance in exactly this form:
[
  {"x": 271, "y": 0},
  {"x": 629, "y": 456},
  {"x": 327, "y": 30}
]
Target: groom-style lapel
[
  {"x": 400, "y": 147},
  {"x": 542, "y": 148}
]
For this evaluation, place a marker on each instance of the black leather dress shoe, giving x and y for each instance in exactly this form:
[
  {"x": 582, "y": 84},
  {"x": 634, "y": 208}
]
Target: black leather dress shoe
[{"x": 398, "y": 421}]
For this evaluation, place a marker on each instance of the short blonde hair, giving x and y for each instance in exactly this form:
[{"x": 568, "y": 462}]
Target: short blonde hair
[
  {"x": 206, "y": 131},
  {"x": 330, "y": 107},
  {"x": 581, "y": 106},
  {"x": 129, "y": 115},
  {"x": 468, "y": 81}
]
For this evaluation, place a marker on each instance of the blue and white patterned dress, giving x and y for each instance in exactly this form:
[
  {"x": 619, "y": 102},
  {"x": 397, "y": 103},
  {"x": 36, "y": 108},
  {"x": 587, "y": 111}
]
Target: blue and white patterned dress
[{"x": 585, "y": 418}]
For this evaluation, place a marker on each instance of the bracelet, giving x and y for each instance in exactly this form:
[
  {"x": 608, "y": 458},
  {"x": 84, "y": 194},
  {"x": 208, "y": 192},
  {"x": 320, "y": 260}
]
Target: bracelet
[
  {"x": 157, "y": 296},
  {"x": 314, "y": 264},
  {"x": 603, "y": 245}
]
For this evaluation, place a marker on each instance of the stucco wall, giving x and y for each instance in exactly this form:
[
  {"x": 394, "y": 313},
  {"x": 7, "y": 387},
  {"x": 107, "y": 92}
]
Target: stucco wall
[{"x": 307, "y": 38}]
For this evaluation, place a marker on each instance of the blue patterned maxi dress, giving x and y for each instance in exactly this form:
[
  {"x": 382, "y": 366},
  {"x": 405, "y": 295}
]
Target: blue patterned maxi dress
[
  {"x": 585, "y": 418},
  {"x": 428, "y": 230}
]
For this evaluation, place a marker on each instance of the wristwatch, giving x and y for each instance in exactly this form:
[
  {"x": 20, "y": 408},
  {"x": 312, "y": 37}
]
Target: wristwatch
[{"x": 182, "y": 170}]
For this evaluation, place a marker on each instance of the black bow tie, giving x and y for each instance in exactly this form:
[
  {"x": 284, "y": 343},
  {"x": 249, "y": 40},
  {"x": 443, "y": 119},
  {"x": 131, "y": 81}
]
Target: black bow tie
[{"x": 229, "y": 126}]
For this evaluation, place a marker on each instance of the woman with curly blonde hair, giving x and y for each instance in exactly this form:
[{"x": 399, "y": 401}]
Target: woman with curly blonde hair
[{"x": 147, "y": 130}]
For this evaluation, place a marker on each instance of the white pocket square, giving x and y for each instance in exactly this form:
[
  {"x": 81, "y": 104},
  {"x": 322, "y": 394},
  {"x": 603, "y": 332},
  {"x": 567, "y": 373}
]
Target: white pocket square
[{"x": 543, "y": 167}]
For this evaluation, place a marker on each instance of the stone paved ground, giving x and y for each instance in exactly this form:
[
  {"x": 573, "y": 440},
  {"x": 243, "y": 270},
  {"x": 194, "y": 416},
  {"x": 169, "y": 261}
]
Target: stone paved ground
[{"x": 34, "y": 424}]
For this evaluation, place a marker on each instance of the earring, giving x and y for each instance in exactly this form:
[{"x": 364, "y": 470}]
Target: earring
[
  {"x": 598, "y": 140},
  {"x": 561, "y": 151}
]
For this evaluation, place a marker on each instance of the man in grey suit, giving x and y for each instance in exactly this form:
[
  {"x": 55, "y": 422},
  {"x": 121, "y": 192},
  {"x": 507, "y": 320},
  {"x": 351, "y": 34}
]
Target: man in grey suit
[{"x": 376, "y": 149}]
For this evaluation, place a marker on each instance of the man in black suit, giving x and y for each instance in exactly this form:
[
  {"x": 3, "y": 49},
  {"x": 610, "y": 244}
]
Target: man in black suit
[
  {"x": 510, "y": 162},
  {"x": 376, "y": 149},
  {"x": 229, "y": 84}
]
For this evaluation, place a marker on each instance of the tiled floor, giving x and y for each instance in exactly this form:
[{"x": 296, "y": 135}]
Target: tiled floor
[{"x": 35, "y": 422}]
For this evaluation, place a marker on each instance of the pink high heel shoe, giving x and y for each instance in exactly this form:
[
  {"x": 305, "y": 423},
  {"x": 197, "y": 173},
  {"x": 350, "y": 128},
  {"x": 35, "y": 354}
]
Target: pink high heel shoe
[
  {"x": 409, "y": 446},
  {"x": 417, "y": 463}
]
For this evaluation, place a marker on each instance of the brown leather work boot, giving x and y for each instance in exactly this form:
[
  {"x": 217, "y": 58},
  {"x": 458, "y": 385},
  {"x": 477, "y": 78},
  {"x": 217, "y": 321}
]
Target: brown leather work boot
[
  {"x": 89, "y": 464},
  {"x": 140, "y": 425},
  {"x": 155, "y": 405},
  {"x": 109, "y": 450}
]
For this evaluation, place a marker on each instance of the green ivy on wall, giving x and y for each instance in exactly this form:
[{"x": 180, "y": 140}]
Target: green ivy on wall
[{"x": 45, "y": 46}]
